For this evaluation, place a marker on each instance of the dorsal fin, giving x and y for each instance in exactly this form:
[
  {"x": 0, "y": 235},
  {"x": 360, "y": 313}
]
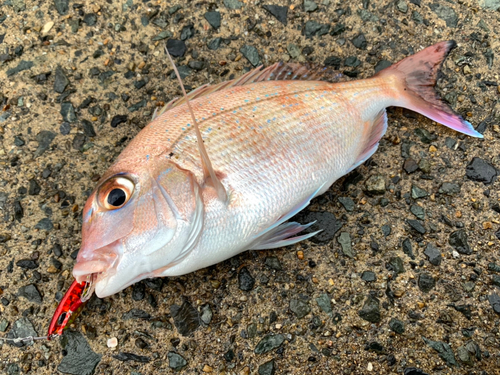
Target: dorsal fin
[
  {"x": 276, "y": 72},
  {"x": 208, "y": 170}
]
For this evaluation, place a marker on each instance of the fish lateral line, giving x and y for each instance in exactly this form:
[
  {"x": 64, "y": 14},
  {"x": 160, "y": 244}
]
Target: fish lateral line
[{"x": 208, "y": 170}]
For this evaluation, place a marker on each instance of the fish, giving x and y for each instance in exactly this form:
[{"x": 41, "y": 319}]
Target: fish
[{"x": 222, "y": 170}]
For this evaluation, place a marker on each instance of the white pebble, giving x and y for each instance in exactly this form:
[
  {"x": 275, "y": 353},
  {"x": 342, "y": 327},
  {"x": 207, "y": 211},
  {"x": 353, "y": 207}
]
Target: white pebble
[
  {"x": 369, "y": 367},
  {"x": 112, "y": 342},
  {"x": 455, "y": 254}
]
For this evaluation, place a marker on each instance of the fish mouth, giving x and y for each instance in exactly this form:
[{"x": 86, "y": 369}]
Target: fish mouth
[{"x": 101, "y": 265}]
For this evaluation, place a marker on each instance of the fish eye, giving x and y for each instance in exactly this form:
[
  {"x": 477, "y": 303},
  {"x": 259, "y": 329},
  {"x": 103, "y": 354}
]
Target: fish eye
[{"x": 115, "y": 192}]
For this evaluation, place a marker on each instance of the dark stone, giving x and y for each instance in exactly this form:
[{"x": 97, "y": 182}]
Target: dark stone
[
  {"x": 233, "y": 4},
  {"x": 418, "y": 211},
  {"x": 177, "y": 48},
  {"x": 196, "y": 65},
  {"x": 466, "y": 310},
  {"x": 396, "y": 264},
  {"x": 407, "y": 248},
  {"x": 324, "y": 303},
  {"x": 214, "y": 43},
  {"x": 229, "y": 355},
  {"x": 34, "y": 188},
  {"x": 433, "y": 255},
  {"x": 31, "y": 293},
  {"x": 368, "y": 276},
  {"x": 273, "y": 263},
  {"x": 410, "y": 165},
  {"x": 213, "y": 18},
  {"x": 138, "y": 291},
  {"x": 140, "y": 84},
  {"x": 62, "y": 6},
  {"x": 493, "y": 267},
  {"x": 370, "y": 310},
  {"x": 458, "y": 240},
  {"x": 245, "y": 280},
  {"x": 386, "y": 230},
  {"x": 347, "y": 202},
  {"x": 417, "y": 193},
  {"x": 21, "y": 328},
  {"x": 162, "y": 35},
  {"x": 267, "y": 368},
  {"x": 449, "y": 188},
  {"x": 18, "y": 210},
  {"x": 251, "y": 54},
  {"x": 206, "y": 314},
  {"x": 444, "y": 350},
  {"x": 299, "y": 308},
  {"x": 359, "y": 41},
  {"x": 88, "y": 128},
  {"x": 136, "y": 314},
  {"x": 176, "y": 361},
  {"x": 413, "y": 370},
  {"x": 381, "y": 65},
  {"x": 417, "y": 226},
  {"x": 44, "y": 224},
  {"x": 138, "y": 105},
  {"x": 125, "y": 357},
  {"x": 425, "y": 136},
  {"x": 333, "y": 61},
  {"x": 446, "y": 13},
  {"x": 44, "y": 139},
  {"x": 187, "y": 32},
  {"x": 397, "y": 326},
  {"x": 268, "y": 343},
  {"x": 310, "y": 6},
  {"x": 118, "y": 119},
  {"x": 60, "y": 80},
  {"x": 495, "y": 302},
  {"x": 23, "y": 65},
  {"x": 27, "y": 264},
  {"x": 186, "y": 318},
  {"x": 68, "y": 112},
  {"x": 325, "y": 221},
  {"x": 352, "y": 61},
  {"x": 375, "y": 185},
  {"x": 19, "y": 141},
  {"x": 79, "y": 141},
  {"x": 90, "y": 19},
  {"x": 279, "y": 12},
  {"x": 426, "y": 282},
  {"x": 313, "y": 28},
  {"x": 481, "y": 171}
]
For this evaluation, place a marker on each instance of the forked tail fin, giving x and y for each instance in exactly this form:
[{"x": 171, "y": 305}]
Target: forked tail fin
[{"x": 416, "y": 77}]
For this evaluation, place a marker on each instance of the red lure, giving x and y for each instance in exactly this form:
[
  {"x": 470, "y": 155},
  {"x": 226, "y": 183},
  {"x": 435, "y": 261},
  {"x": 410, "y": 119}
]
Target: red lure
[{"x": 68, "y": 309}]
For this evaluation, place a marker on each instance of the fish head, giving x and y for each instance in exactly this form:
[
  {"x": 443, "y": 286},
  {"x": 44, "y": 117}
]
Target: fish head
[{"x": 136, "y": 224}]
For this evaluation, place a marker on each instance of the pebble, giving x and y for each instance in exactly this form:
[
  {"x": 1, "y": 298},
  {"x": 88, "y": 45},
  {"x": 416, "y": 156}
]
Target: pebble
[
  {"x": 446, "y": 13},
  {"x": 245, "y": 280},
  {"x": 359, "y": 41},
  {"x": 375, "y": 185},
  {"x": 293, "y": 50},
  {"x": 112, "y": 342},
  {"x": 418, "y": 193},
  {"x": 138, "y": 291},
  {"x": 206, "y": 314},
  {"x": 344, "y": 240},
  {"x": 176, "y": 361},
  {"x": 207, "y": 368},
  {"x": 186, "y": 318},
  {"x": 310, "y": 6},
  {"x": 34, "y": 188},
  {"x": 324, "y": 220},
  {"x": 80, "y": 359},
  {"x": 433, "y": 255},
  {"x": 299, "y": 308},
  {"x": 481, "y": 171},
  {"x": 90, "y": 19},
  {"x": 118, "y": 119},
  {"x": 45, "y": 224},
  {"x": 347, "y": 202},
  {"x": 279, "y": 12},
  {"x": 251, "y": 54},
  {"x": 492, "y": 5},
  {"x": 368, "y": 276},
  {"x": 136, "y": 314},
  {"x": 418, "y": 211},
  {"x": 426, "y": 282},
  {"x": 267, "y": 368},
  {"x": 233, "y": 4},
  {"x": 176, "y": 48},
  {"x": 125, "y": 357},
  {"x": 313, "y": 28},
  {"x": 371, "y": 310},
  {"x": 417, "y": 226},
  {"x": 273, "y": 263},
  {"x": 459, "y": 241},
  {"x": 402, "y": 6},
  {"x": 214, "y": 19},
  {"x": 397, "y": 326},
  {"x": 21, "y": 328},
  {"x": 494, "y": 300},
  {"x": 381, "y": 65},
  {"x": 449, "y": 188},
  {"x": 62, "y": 6},
  {"x": 68, "y": 112},
  {"x": 444, "y": 350},
  {"x": 214, "y": 43},
  {"x": 410, "y": 166},
  {"x": 47, "y": 27},
  {"x": 23, "y": 65},
  {"x": 414, "y": 371},
  {"x": 268, "y": 343},
  {"x": 396, "y": 264}
]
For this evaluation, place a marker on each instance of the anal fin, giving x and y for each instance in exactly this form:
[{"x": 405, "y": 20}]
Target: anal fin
[
  {"x": 282, "y": 236},
  {"x": 376, "y": 131}
]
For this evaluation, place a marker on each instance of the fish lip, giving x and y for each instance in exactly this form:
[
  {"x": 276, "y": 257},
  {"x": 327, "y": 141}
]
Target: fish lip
[{"x": 102, "y": 264}]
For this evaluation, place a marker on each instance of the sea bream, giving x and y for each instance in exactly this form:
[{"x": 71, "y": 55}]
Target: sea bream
[{"x": 271, "y": 141}]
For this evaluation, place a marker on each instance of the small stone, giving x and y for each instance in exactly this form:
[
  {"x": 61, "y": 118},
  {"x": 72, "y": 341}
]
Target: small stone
[
  {"x": 347, "y": 202},
  {"x": 267, "y": 368},
  {"x": 299, "y": 308},
  {"x": 136, "y": 314},
  {"x": 414, "y": 371},
  {"x": 417, "y": 226},
  {"x": 206, "y": 314},
  {"x": 396, "y": 264},
  {"x": 20, "y": 329},
  {"x": 418, "y": 211},
  {"x": 345, "y": 242},
  {"x": 310, "y": 6},
  {"x": 233, "y": 4},
  {"x": 324, "y": 303},
  {"x": 31, "y": 293},
  {"x": 386, "y": 230},
  {"x": 268, "y": 343},
  {"x": 213, "y": 18},
  {"x": 425, "y": 136},
  {"x": 18, "y": 5},
  {"x": 251, "y": 54},
  {"x": 90, "y": 19},
  {"x": 402, "y": 6},
  {"x": 27, "y": 264},
  {"x": 433, "y": 255},
  {"x": 293, "y": 50},
  {"x": 176, "y": 48},
  {"x": 492, "y": 5},
  {"x": 410, "y": 166},
  {"x": 187, "y": 32},
  {"x": 60, "y": 80},
  {"x": 381, "y": 65},
  {"x": 207, "y": 368},
  {"x": 397, "y": 326},
  {"x": 34, "y": 188},
  {"x": 375, "y": 185},
  {"x": 62, "y": 6},
  {"x": 176, "y": 361},
  {"x": 162, "y": 35},
  {"x": 425, "y": 166},
  {"x": 313, "y": 28},
  {"x": 23, "y": 65},
  {"x": 112, "y": 342},
  {"x": 279, "y": 12},
  {"x": 458, "y": 240},
  {"x": 481, "y": 171},
  {"x": 444, "y": 350},
  {"x": 495, "y": 302},
  {"x": 46, "y": 28},
  {"x": 417, "y": 193},
  {"x": 214, "y": 43},
  {"x": 449, "y": 188},
  {"x": 324, "y": 220},
  {"x": 138, "y": 291},
  {"x": 136, "y": 106},
  {"x": 68, "y": 112},
  {"x": 118, "y": 119},
  {"x": 446, "y": 13},
  {"x": 273, "y": 263},
  {"x": 368, "y": 276},
  {"x": 186, "y": 318},
  {"x": 371, "y": 310},
  {"x": 245, "y": 280},
  {"x": 407, "y": 248},
  {"x": 426, "y": 282},
  {"x": 79, "y": 141},
  {"x": 45, "y": 224},
  {"x": 360, "y": 41},
  {"x": 125, "y": 357}
]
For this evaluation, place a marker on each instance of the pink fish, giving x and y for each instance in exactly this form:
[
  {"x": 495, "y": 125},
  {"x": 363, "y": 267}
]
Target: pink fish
[{"x": 272, "y": 141}]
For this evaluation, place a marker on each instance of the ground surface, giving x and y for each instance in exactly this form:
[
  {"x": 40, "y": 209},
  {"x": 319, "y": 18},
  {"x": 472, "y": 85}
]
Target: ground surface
[{"x": 410, "y": 280}]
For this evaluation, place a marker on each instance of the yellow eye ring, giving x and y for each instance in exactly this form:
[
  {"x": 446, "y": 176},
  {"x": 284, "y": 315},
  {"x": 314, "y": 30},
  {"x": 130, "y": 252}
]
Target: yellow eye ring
[{"x": 115, "y": 193}]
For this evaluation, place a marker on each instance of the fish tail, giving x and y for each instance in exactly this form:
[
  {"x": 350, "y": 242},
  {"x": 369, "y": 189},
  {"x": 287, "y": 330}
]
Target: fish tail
[{"x": 416, "y": 77}]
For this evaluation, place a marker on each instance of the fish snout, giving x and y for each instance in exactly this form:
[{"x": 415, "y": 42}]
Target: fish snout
[{"x": 97, "y": 264}]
